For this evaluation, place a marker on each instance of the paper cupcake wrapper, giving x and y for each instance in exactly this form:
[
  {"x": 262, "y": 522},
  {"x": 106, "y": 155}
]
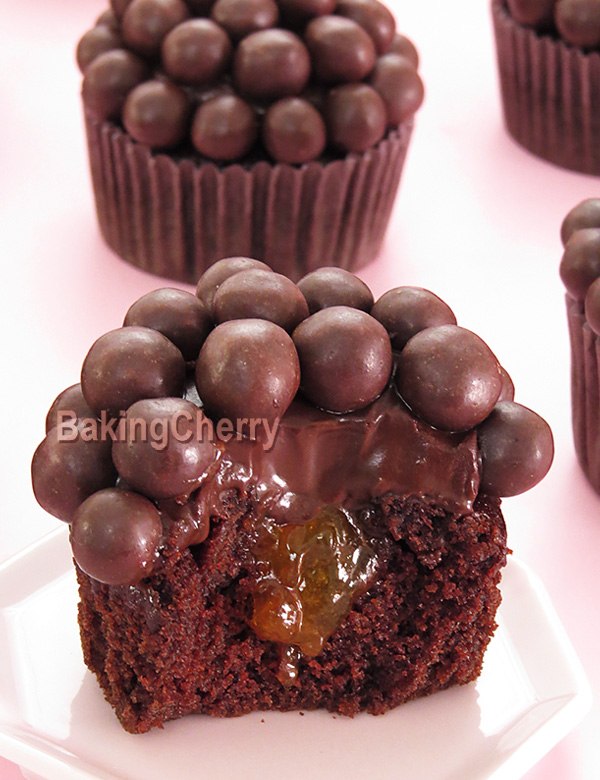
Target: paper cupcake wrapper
[
  {"x": 585, "y": 391},
  {"x": 176, "y": 217},
  {"x": 550, "y": 94}
]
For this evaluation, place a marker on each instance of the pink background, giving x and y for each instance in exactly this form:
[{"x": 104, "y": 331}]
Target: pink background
[{"x": 477, "y": 221}]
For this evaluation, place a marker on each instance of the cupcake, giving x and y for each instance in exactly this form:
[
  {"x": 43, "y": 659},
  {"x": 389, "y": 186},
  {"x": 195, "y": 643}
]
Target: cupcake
[
  {"x": 549, "y": 64},
  {"x": 247, "y": 127},
  {"x": 580, "y": 272}
]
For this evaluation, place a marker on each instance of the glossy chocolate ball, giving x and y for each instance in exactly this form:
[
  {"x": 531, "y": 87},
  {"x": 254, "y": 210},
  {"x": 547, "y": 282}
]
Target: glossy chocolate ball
[
  {"x": 355, "y": 116},
  {"x": 156, "y": 113},
  {"x": 341, "y": 50},
  {"x": 516, "y": 448},
  {"x": 345, "y": 358},
  {"x": 507, "y": 393},
  {"x": 146, "y": 23},
  {"x": 66, "y": 469},
  {"x": 116, "y": 536},
  {"x": 66, "y": 404},
  {"x": 294, "y": 131},
  {"x": 580, "y": 264},
  {"x": 271, "y": 64},
  {"x": 247, "y": 369},
  {"x": 585, "y": 215},
  {"x": 405, "y": 311},
  {"x": 333, "y": 286},
  {"x": 396, "y": 80},
  {"x": 373, "y": 17},
  {"x": 298, "y": 12},
  {"x": 95, "y": 42},
  {"x": 578, "y": 22},
  {"x": 592, "y": 306},
  {"x": 261, "y": 295},
  {"x": 242, "y": 17},
  {"x": 128, "y": 364},
  {"x": 108, "y": 19},
  {"x": 532, "y": 13},
  {"x": 119, "y": 7},
  {"x": 224, "y": 128},
  {"x": 405, "y": 48},
  {"x": 108, "y": 80},
  {"x": 449, "y": 377},
  {"x": 213, "y": 277},
  {"x": 196, "y": 52},
  {"x": 167, "y": 449},
  {"x": 177, "y": 314}
]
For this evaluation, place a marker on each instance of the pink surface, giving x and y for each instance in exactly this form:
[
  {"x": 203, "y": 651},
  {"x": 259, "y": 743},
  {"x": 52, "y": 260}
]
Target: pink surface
[{"x": 477, "y": 221}]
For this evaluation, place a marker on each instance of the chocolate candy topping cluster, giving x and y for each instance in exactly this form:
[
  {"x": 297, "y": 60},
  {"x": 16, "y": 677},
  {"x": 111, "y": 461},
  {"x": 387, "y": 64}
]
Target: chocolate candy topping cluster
[
  {"x": 231, "y": 78},
  {"x": 576, "y": 22},
  {"x": 253, "y": 346},
  {"x": 580, "y": 264}
]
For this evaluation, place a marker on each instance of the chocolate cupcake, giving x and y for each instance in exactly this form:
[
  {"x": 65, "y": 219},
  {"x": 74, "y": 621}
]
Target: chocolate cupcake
[
  {"x": 580, "y": 272},
  {"x": 549, "y": 64},
  {"x": 247, "y": 127}
]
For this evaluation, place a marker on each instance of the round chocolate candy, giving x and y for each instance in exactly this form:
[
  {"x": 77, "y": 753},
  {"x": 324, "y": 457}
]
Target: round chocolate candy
[
  {"x": 67, "y": 468},
  {"x": 213, "y": 277},
  {"x": 532, "y": 13},
  {"x": 355, "y": 116},
  {"x": 345, "y": 358},
  {"x": 177, "y": 314},
  {"x": 247, "y": 369},
  {"x": 592, "y": 306},
  {"x": 405, "y": 311},
  {"x": 516, "y": 448},
  {"x": 341, "y": 50},
  {"x": 578, "y": 22},
  {"x": 405, "y": 47},
  {"x": 108, "y": 19},
  {"x": 261, "y": 295},
  {"x": 146, "y": 23},
  {"x": 508, "y": 389},
  {"x": 297, "y": 12},
  {"x": 108, "y": 80},
  {"x": 95, "y": 42},
  {"x": 294, "y": 131},
  {"x": 271, "y": 64},
  {"x": 242, "y": 17},
  {"x": 128, "y": 364},
  {"x": 449, "y": 377},
  {"x": 580, "y": 264},
  {"x": 156, "y": 113},
  {"x": 331, "y": 286},
  {"x": 585, "y": 215},
  {"x": 373, "y": 17},
  {"x": 196, "y": 52},
  {"x": 167, "y": 448},
  {"x": 116, "y": 536},
  {"x": 224, "y": 128},
  {"x": 119, "y": 7},
  {"x": 67, "y": 404},
  {"x": 396, "y": 80}
]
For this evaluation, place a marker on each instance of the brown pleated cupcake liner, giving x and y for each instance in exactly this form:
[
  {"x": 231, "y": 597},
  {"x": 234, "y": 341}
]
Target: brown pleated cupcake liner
[
  {"x": 550, "y": 94},
  {"x": 585, "y": 391},
  {"x": 176, "y": 217}
]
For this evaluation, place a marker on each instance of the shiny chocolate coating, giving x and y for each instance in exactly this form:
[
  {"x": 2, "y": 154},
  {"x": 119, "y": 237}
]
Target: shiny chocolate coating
[
  {"x": 146, "y": 22},
  {"x": 108, "y": 18},
  {"x": 405, "y": 47},
  {"x": 271, "y": 64},
  {"x": 516, "y": 448},
  {"x": 580, "y": 264},
  {"x": 178, "y": 315},
  {"x": 224, "y": 128},
  {"x": 65, "y": 472},
  {"x": 373, "y": 17},
  {"x": 532, "y": 13},
  {"x": 242, "y": 17},
  {"x": 345, "y": 358},
  {"x": 115, "y": 537},
  {"x": 119, "y": 7},
  {"x": 396, "y": 80},
  {"x": 167, "y": 448},
  {"x": 449, "y": 377},
  {"x": 355, "y": 116},
  {"x": 507, "y": 393},
  {"x": 95, "y": 42},
  {"x": 196, "y": 52},
  {"x": 128, "y": 364},
  {"x": 578, "y": 22},
  {"x": 294, "y": 131},
  {"x": 261, "y": 295},
  {"x": 215, "y": 275},
  {"x": 585, "y": 215},
  {"x": 592, "y": 306},
  {"x": 156, "y": 113},
  {"x": 341, "y": 50},
  {"x": 108, "y": 80},
  {"x": 70, "y": 400},
  {"x": 405, "y": 311},
  {"x": 332, "y": 286}
]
